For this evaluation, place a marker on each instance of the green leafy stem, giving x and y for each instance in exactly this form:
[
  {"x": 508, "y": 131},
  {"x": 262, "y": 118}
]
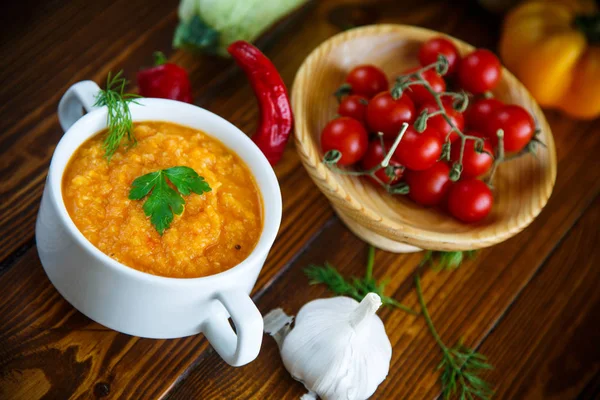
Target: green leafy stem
[
  {"x": 460, "y": 365},
  {"x": 357, "y": 288},
  {"x": 118, "y": 119}
]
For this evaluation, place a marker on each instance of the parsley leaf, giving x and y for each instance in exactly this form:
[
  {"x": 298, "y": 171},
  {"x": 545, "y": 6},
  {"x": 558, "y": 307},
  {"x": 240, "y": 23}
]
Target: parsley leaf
[
  {"x": 186, "y": 180},
  {"x": 164, "y": 201}
]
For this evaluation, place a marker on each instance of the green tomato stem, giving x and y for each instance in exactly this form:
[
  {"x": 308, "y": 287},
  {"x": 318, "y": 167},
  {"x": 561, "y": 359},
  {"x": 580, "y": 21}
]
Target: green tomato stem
[{"x": 500, "y": 157}]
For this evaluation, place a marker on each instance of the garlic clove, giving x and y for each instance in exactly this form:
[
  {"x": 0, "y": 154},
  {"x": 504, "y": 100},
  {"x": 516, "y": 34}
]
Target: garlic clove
[
  {"x": 338, "y": 348},
  {"x": 277, "y": 324},
  {"x": 309, "y": 396},
  {"x": 366, "y": 308}
]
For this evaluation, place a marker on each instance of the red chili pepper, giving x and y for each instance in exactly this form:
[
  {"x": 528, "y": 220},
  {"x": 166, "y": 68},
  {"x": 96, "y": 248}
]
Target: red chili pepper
[
  {"x": 276, "y": 119},
  {"x": 165, "y": 80}
]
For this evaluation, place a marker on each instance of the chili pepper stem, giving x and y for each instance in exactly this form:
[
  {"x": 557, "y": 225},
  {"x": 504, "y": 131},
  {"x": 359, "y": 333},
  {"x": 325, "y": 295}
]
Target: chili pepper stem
[{"x": 159, "y": 58}]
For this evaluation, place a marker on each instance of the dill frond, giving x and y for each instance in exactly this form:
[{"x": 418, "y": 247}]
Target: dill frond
[
  {"x": 357, "y": 288},
  {"x": 118, "y": 120},
  {"x": 460, "y": 365}
]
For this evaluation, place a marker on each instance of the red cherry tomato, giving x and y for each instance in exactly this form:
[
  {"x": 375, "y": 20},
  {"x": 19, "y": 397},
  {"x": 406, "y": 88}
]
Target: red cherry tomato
[
  {"x": 367, "y": 80},
  {"x": 474, "y": 164},
  {"x": 470, "y": 200},
  {"x": 346, "y": 135},
  {"x": 440, "y": 124},
  {"x": 419, "y": 93},
  {"x": 517, "y": 124},
  {"x": 354, "y": 106},
  {"x": 479, "y": 113},
  {"x": 374, "y": 156},
  {"x": 429, "y": 187},
  {"x": 429, "y": 51},
  {"x": 419, "y": 151},
  {"x": 479, "y": 71},
  {"x": 384, "y": 114}
]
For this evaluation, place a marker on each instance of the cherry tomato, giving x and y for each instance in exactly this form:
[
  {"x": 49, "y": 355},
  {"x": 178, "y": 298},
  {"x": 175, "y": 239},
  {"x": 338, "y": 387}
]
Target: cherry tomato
[
  {"x": 354, "y": 106},
  {"x": 474, "y": 164},
  {"x": 419, "y": 151},
  {"x": 470, "y": 200},
  {"x": 384, "y": 114},
  {"x": 479, "y": 71},
  {"x": 419, "y": 93},
  {"x": 518, "y": 126},
  {"x": 429, "y": 187},
  {"x": 479, "y": 113},
  {"x": 367, "y": 80},
  {"x": 428, "y": 53},
  {"x": 440, "y": 124},
  {"x": 374, "y": 156},
  {"x": 346, "y": 135}
]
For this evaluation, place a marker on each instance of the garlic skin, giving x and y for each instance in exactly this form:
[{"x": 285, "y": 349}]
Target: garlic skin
[{"x": 338, "y": 348}]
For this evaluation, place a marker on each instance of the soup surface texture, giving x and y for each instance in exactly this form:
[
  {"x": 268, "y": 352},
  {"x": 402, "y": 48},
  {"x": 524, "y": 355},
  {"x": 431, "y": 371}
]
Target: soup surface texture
[{"x": 216, "y": 231}]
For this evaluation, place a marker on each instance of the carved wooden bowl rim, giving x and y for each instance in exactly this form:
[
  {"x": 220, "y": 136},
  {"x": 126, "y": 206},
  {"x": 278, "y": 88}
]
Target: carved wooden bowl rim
[{"x": 371, "y": 207}]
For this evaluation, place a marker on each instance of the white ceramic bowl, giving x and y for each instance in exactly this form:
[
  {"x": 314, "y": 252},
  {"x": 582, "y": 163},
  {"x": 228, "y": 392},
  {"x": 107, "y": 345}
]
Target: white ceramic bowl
[{"x": 134, "y": 302}]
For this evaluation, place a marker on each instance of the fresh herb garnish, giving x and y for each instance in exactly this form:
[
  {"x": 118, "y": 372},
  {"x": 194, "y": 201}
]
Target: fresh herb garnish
[
  {"x": 164, "y": 201},
  {"x": 446, "y": 260},
  {"x": 118, "y": 119},
  {"x": 460, "y": 365},
  {"x": 357, "y": 288}
]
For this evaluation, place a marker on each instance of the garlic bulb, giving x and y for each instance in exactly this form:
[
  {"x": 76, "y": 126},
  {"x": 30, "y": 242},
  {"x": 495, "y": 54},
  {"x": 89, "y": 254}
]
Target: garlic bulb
[{"x": 338, "y": 348}]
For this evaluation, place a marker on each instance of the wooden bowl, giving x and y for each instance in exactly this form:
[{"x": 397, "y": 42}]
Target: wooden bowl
[{"x": 395, "y": 223}]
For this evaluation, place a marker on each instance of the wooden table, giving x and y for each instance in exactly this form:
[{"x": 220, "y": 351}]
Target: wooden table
[{"x": 531, "y": 304}]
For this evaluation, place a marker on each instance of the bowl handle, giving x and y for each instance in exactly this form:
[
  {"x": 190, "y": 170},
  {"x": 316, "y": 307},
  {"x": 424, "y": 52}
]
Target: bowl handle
[
  {"x": 242, "y": 346},
  {"x": 81, "y": 96}
]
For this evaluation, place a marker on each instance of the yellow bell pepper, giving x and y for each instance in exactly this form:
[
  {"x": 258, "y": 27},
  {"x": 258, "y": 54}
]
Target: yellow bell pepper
[{"x": 553, "y": 47}]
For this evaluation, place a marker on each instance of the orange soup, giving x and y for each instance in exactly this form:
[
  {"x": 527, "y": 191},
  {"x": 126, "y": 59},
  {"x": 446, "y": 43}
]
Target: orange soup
[{"x": 216, "y": 231}]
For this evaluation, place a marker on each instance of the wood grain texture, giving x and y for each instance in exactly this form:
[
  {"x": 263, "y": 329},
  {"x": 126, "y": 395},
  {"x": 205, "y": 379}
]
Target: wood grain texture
[
  {"x": 91, "y": 48},
  {"x": 549, "y": 356},
  {"x": 483, "y": 290},
  {"x": 56, "y": 45},
  {"x": 49, "y": 350},
  {"x": 41, "y": 319},
  {"x": 522, "y": 186},
  {"x": 115, "y": 360}
]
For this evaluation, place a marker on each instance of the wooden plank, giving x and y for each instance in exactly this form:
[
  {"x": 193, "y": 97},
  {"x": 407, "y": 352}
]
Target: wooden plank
[
  {"x": 84, "y": 46},
  {"x": 48, "y": 348},
  {"x": 482, "y": 290},
  {"x": 38, "y": 327},
  {"x": 57, "y": 47},
  {"x": 29, "y": 139},
  {"x": 546, "y": 346},
  {"x": 115, "y": 360},
  {"x": 592, "y": 390}
]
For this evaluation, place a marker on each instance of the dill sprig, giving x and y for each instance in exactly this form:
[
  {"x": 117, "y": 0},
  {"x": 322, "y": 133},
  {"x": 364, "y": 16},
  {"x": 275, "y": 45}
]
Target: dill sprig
[
  {"x": 357, "y": 288},
  {"x": 460, "y": 365},
  {"x": 118, "y": 120},
  {"x": 446, "y": 260}
]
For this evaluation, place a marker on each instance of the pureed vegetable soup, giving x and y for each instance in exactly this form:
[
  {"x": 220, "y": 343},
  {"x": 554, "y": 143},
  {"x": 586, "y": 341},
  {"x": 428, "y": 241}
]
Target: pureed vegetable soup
[{"x": 216, "y": 231}]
